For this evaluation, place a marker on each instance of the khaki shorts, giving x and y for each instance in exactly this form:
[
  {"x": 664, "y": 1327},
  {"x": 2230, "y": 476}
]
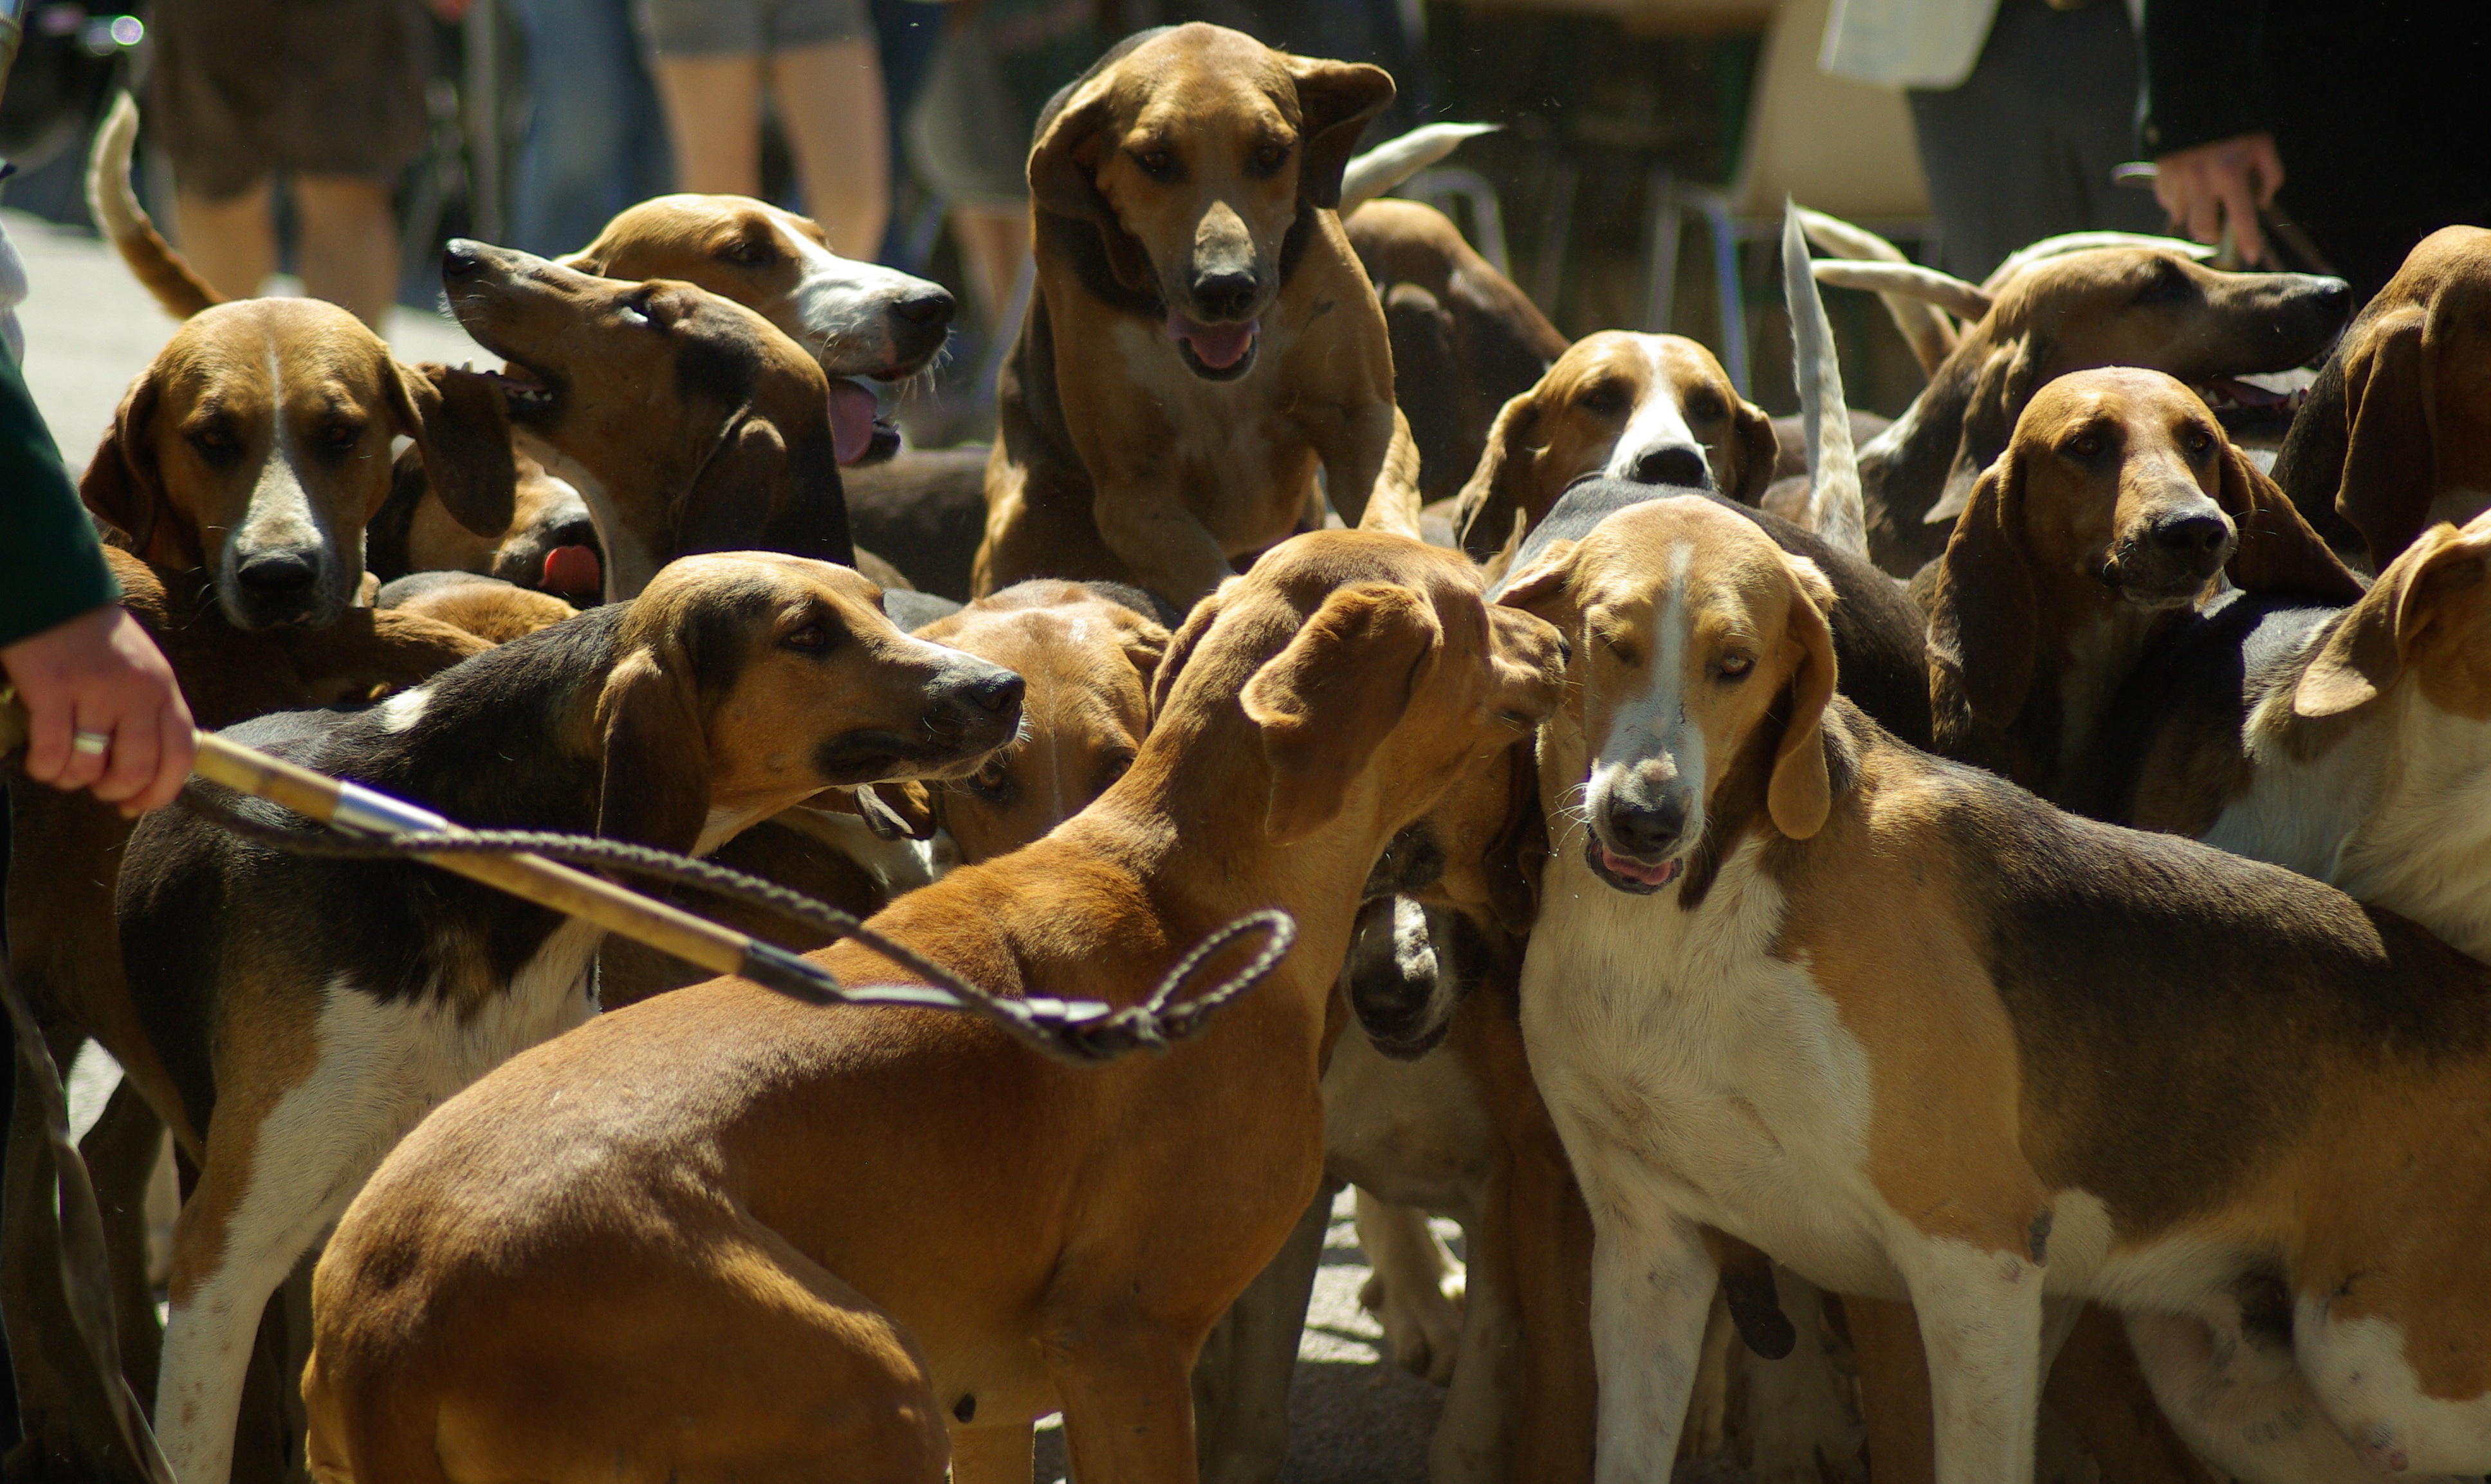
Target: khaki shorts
[
  {"x": 242, "y": 89},
  {"x": 750, "y": 28}
]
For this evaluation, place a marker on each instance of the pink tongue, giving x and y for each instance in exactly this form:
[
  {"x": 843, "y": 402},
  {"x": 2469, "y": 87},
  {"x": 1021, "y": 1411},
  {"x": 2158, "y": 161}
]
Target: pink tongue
[
  {"x": 2249, "y": 394},
  {"x": 1633, "y": 870},
  {"x": 572, "y": 571},
  {"x": 1217, "y": 346},
  {"x": 852, "y": 409}
]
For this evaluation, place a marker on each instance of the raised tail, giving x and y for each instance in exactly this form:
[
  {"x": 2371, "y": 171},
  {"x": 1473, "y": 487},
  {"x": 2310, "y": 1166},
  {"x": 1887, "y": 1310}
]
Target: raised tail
[
  {"x": 1835, "y": 508},
  {"x": 1926, "y": 328},
  {"x": 1395, "y": 160},
  {"x": 167, "y": 273}
]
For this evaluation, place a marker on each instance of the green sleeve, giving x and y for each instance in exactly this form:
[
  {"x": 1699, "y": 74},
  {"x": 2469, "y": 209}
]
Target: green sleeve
[{"x": 51, "y": 567}]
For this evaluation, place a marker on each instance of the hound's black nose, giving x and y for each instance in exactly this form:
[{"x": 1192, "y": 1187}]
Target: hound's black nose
[
  {"x": 926, "y": 311},
  {"x": 1224, "y": 296},
  {"x": 276, "y": 577},
  {"x": 1675, "y": 464},
  {"x": 461, "y": 258},
  {"x": 1000, "y": 691},
  {"x": 2201, "y": 542},
  {"x": 1647, "y": 829}
]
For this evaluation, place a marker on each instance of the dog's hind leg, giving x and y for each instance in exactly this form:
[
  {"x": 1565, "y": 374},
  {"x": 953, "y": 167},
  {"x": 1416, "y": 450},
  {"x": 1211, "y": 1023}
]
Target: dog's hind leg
[{"x": 1423, "y": 1321}]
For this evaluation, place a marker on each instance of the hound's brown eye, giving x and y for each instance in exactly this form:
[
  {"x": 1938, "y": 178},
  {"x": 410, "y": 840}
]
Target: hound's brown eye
[
  {"x": 1604, "y": 398},
  {"x": 994, "y": 781},
  {"x": 2087, "y": 446},
  {"x": 214, "y": 439},
  {"x": 342, "y": 433},
  {"x": 1269, "y": 155},
  {"x": 2199, "y": 439},
  {"x": 1705, "y": 407},
  {"x": 809, "y": 637},
  {"x": 751, "y": 252},
  {"x": 1734, "y": 667},
  {"x": 1157, "y": 164}
]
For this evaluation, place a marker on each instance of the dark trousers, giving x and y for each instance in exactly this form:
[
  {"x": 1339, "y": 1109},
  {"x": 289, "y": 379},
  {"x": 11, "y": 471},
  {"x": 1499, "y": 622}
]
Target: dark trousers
[{"x": 2023, "y": 149}]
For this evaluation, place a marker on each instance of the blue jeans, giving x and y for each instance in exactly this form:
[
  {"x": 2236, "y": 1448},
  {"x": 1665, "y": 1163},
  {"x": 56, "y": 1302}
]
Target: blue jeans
[{"x": 597, "y": 138}]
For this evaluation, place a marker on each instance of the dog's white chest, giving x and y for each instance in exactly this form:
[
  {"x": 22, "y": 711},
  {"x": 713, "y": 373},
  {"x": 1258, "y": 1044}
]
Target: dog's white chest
[{"x": 1686, "y": 1066}]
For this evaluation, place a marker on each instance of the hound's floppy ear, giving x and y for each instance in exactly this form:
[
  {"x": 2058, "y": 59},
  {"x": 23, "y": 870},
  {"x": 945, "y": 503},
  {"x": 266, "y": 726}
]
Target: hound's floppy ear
[
  {"x": 1063, "y": 166},
  {"x": 1801, "y": 793},
  {"x": 656, "y": 755},
  {"x": 1180, "y": 649},
  {"x": 1985, "y": 621},
  {"x": 1536, "y": 588},
  {"x": 2365, "y": 653},
  {"x": 2391, "y": 451},
  {"x": 2001, "y": 385},
  {"x": 1145, "y": 645},
  {"x": 1335, "y": 101},
  {"x": 1485, "y": 511},
  {"x": 124, "y": 489},
  {"x": 463, "y": 432},
  {"x": 769, "y": 489},
  {"x": 1759, "y": 447},
  {"x": 2278, "y": 553},
  {"x": 1513, "y": 859},
  {"x": 1329, "y": 700}
]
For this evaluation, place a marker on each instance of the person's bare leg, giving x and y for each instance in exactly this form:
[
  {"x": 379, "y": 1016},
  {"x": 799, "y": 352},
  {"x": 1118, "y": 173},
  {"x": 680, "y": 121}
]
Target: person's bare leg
[
  {"x": 714, "y": 116},
  {"x": 232, "y": 243},
  {"x": 995, "y": 242},
  {"x": 831, "y": 98},
  {"x": 348, "y": 248}
]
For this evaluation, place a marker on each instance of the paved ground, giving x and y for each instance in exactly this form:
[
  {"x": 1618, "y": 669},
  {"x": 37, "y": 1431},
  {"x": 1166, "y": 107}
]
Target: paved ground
[{"x": 90, "y": 330}]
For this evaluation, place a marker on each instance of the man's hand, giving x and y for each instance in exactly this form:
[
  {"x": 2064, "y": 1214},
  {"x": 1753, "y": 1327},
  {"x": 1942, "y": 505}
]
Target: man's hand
[
  {"x": 2211, "y": 185},
  {"x": 98, "y": 673}
]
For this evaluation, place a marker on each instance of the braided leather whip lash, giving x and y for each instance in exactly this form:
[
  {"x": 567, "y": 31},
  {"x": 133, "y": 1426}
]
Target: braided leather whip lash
[{"x": 1083, "y": 1033}]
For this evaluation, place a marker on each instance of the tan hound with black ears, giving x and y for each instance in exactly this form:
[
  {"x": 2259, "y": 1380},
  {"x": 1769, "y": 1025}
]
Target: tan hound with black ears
[{"x": 1914, "y": 1032}]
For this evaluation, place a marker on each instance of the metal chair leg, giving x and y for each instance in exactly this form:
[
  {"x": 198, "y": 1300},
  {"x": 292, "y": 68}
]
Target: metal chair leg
[{"x": 1662, "y": 223}]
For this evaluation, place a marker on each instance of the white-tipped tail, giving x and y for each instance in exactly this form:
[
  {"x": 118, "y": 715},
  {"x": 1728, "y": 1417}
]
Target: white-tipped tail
[
  {"x": 1835, "y": 508},
  {"x": 1395, "y": 160},
  {"x": 125, "y": 224}
]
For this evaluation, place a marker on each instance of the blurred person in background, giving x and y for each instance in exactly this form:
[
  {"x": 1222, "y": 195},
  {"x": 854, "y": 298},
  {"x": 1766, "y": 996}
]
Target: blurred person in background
[
  {"x": 2357, "y": 122},
  {"x": 328, "y": 94},
  {"x": 596, "y": 138},
  {"x": 2022, "y": 109},
  {"x": 969, "y": 128},
  {"x": 818, "y": 61}
]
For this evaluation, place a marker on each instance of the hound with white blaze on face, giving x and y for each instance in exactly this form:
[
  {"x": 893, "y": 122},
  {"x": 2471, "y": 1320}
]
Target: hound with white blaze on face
[{"x": 1915, "y": 1033}]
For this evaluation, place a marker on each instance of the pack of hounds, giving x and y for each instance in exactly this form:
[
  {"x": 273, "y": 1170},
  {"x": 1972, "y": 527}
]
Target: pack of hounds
[{"x": 1937, "y": 949}]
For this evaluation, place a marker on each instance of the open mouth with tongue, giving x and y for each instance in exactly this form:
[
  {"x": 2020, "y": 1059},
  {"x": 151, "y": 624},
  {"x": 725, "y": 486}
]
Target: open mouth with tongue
[
  {"x": 573, "y": 572},
  {"x": 1628, "y": 873},
  {"x": 857, "y": 432},
  {"x": 529, "y": 397},
  {"x": 1221, "y": 352},
  {"x": 2255, "y": 405}
]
